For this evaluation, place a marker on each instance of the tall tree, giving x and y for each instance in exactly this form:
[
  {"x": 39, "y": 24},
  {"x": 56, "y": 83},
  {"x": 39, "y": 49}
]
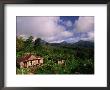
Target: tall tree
[
  {"x": 29, "y": 44},
  {"x": 19, "y": 43},
  {"x": 37, "y": 42}
]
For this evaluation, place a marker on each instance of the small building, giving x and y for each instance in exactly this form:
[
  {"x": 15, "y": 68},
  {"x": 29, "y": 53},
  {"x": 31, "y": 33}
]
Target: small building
[
  {"x": 60, "y": 61},
  {"x": 29, "y": 60}
]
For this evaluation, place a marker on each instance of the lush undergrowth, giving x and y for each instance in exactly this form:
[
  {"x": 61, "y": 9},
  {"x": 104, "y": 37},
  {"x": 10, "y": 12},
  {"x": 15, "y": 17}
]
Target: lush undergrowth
[{"x": 77, "y": 60}]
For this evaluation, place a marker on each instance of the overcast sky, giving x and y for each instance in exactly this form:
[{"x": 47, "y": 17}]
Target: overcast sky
[{"x": 56, "y": 29}]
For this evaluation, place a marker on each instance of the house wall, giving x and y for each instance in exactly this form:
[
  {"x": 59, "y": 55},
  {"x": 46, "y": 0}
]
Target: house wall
[
  {"x": 21, "y": 64},
  {"x": 41, "y": 61},
  {"x": 36, "y": 61},
  {"x": 32, "y": 63},
  {"x": 28, "y": 64},
  {"x": 61, "y": 62}
]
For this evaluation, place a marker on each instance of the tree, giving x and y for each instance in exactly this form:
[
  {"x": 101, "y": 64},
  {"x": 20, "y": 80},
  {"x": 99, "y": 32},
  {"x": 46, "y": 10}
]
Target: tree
[
  {"x": 29, "y": 40},
  {"x": 19, "y": 43},
  {"x": 37, "y": 42},
  {"x": 29, "y": 44}
]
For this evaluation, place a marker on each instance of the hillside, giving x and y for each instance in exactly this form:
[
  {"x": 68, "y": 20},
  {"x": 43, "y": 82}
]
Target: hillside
[{"x": 78, "y": 57}]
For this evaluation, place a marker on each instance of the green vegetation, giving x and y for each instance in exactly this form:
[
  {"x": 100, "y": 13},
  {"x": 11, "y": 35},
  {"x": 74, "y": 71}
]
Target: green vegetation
[{"x": 77, "y": 59}]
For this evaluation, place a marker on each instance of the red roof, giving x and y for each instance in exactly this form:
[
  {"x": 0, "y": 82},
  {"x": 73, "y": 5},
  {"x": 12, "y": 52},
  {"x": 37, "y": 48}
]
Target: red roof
[{"x": 25, "y": 58}]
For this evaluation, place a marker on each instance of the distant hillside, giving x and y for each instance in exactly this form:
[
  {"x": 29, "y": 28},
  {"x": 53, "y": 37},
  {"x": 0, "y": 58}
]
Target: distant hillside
[{"x": 82, "y": 43}]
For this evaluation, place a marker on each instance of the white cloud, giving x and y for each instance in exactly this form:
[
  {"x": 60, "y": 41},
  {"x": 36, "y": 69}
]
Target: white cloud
[
  {"x": 48, "y": 28},
  {"x": 45, "y": 27},
  {"x": 66, "y": 34},
  {"x": 91, "y": 35},
  {"x": 59, "y": 37},
  {"x": 84, "y": 24},
  {"x": 58, "y": 41},
  {"x": 23, "y": 36},
  {"x": 73, "y": 39}
]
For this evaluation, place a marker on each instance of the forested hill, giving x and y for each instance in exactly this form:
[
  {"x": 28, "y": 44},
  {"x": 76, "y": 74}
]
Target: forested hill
[
  {"x": 78, "y": 57},
  {"x": 80, "y": 44}
]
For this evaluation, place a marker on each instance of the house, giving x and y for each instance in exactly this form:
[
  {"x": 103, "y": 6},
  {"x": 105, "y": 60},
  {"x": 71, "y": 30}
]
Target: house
[
  {"x": 29, "y": 60},
  {"x": 60, "y": 61}
]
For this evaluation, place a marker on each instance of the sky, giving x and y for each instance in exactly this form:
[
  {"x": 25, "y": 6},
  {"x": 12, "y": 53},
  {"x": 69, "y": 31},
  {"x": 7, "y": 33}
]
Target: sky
[{"x": 56, "y": 29}]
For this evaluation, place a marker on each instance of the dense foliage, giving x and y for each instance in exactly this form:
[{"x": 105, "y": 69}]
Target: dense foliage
[{"x": 77, "y": 59}]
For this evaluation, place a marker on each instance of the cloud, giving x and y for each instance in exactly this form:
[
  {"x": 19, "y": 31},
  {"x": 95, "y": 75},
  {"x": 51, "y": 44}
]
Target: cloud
[
  {"x": 68, "y": 23},
  {"x": 84, "y": 24},
  {"x": 45, "y": 27},
  {"x": 91, "y": 35},
  {"x": 23, "y": 36},
  {"x": 57, "y": 41},
  {"x": 54, "y": 29},
  {"x": 84, "y": 28},
  {"x": 73, "y": 39}
]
